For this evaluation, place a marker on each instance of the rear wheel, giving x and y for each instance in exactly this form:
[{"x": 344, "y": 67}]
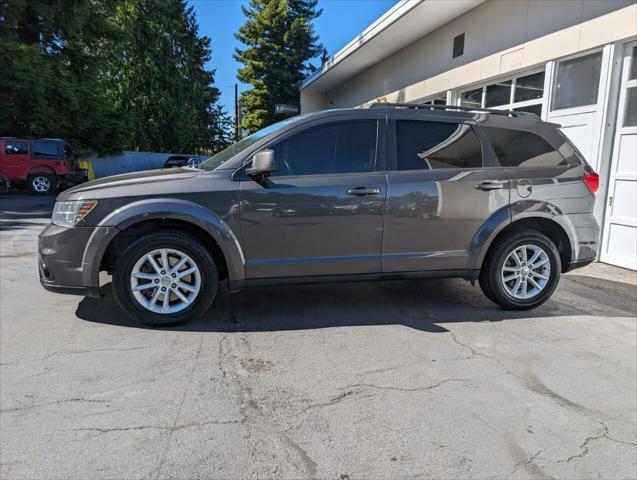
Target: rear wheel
[
  {"x": 42, "y": 184},
  {"x": 165, "y": 278},
  {"x": 521, "y": 271}
]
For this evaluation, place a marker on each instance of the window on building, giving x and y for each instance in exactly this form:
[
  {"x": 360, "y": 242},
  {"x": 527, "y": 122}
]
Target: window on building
[
  {"x": 344, "y": 147},
  {"x": 442, "y": 100},
  {"x": 521, "y": 93},
  {"x": 15, "y": 148},
  {"x": 633, "y": 64},
  {"x": 630, "y": 117},
  {"x": 577, "y": 82},
  {"x": 498, "y": 94},
  {"x": 458, "y": 45},
  {"x": 517, "y": 148},
  {"x": 432, "y": 145},
  {"x": 472, "y": 98},
  {"x": 529, "y": 87},
  {"x": 45, "y": 149}
]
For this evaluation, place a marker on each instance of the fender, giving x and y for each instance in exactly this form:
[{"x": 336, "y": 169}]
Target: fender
[
  {"x": 163, "y": 208},
  {"x": 506, "y": 216}
]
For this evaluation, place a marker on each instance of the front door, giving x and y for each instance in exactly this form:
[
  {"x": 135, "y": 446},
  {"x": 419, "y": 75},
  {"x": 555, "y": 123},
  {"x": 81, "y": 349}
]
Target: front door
[
  {"x": 619, "y": 242},
  {"x": 321, "y": 213},
  {"x": 439, "y": 193}
]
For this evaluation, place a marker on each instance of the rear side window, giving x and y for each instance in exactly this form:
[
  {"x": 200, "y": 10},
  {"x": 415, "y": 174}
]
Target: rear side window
[
  {"x": 45, "y": 149},
  {"x": 430, "y": 145},
  {"x": 15, "y": 148},
  {"x": 517, "y": 148},
  {"x": 345, "y": 147}
]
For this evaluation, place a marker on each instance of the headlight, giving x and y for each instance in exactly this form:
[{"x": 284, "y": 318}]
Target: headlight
[{"x": 68, "y": 214}]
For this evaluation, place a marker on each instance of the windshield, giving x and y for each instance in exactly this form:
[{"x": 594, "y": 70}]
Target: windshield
[{"x": 223, "y": 156}]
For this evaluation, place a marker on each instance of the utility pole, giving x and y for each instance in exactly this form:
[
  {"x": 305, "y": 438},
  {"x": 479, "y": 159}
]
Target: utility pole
[{"x": 236, "y": 112}]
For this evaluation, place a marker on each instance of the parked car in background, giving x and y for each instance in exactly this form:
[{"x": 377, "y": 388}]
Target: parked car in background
[
  {"x": 392, "y": 192},
  {"x": 177, "y": 161},
  {"x": 43, "y": 165}
]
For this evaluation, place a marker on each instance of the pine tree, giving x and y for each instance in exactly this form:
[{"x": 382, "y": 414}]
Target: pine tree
[{"x": 279, "y": 42}]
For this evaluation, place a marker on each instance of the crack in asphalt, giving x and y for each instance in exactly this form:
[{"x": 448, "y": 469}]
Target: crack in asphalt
[
  {"x": 527, "y": 462},
  {"x": 57, "y": 402}
]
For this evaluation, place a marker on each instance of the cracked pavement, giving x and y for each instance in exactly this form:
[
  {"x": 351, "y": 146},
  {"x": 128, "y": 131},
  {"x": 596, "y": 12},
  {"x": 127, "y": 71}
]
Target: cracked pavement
[{"x": 421, "y": 379}]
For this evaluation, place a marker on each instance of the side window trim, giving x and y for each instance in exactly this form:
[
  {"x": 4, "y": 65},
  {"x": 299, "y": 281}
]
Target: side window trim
[
  {"x": 380, "y": 155},
  {"x": 489, "y": 159}
]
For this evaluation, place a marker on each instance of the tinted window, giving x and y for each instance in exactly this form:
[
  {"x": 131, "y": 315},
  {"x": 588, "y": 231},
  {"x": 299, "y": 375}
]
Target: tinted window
[
  {"x": 15, "y": 148},
  {"x": 45, "y": 149},
  {"x": 337, "y": 148},
  {"x": 516, "y": 148},
  {"x": 425, "y": 145}
]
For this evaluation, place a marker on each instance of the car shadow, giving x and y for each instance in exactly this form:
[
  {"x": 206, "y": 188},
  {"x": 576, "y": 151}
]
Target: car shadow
[{"x": 424, "y": 305}]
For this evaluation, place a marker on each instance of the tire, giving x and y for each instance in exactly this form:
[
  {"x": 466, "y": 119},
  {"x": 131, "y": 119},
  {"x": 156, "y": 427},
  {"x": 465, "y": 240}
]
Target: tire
[
  {"x": 505, "y": 266},
  {"x": 42, "y": 184},
  {"x": 203, "y": 283}
]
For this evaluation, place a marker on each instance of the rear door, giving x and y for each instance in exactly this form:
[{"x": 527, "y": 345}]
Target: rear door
[
  {"x": 321, "y": 213},
  {"x": 440, "y": 190}
]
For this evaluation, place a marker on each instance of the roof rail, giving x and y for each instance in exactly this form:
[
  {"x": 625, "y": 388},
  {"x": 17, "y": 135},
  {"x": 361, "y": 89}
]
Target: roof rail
[{"x": 423, "y": 106}]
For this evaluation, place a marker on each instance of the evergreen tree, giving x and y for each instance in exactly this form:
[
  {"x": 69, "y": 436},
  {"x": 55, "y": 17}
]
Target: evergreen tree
[
  {"x": 163, "y": 89},
  {"x": 279, "y": 42}
]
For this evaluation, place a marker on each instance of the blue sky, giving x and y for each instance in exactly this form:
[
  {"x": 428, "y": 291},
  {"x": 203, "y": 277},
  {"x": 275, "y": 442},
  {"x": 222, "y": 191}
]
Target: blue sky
[{"x": 341, "y": 21}]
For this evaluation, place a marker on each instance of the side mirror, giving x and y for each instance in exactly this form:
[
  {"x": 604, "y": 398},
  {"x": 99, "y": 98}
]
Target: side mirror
[{"x": 263, "y": 162}]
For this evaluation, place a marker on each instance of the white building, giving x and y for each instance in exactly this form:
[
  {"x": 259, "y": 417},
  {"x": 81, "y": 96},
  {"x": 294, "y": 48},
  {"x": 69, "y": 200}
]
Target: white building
[{"x": 571, "y": 61}]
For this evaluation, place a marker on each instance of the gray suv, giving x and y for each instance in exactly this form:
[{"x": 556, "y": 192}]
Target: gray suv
[{"x": 390, "y": 192}]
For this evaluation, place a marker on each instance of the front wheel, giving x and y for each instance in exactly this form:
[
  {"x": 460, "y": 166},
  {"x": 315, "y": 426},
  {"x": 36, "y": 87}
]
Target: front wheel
[
  {"x": 165, "y": 278},
  {"x": 521, "y": 271},
  {"x": 42, "y": 184}
]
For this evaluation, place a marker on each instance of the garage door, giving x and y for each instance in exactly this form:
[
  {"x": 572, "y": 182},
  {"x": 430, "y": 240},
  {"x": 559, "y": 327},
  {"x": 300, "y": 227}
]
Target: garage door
[{"x": 619, "y": 242}]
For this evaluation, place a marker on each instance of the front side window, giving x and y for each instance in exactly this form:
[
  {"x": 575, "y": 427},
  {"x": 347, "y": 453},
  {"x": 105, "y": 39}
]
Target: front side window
[
  {"x": 45, "y": 149},
  {"x": 517, "y": 148},
  {"x": 431, "y": 145},
  {"x": 345, "y": 147},
  {"x": 15, "y": 148},
  {"x": 577, "y": 82}
]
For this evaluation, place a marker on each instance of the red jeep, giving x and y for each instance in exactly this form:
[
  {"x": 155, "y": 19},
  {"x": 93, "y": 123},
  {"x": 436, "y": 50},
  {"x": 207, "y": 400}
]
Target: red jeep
[{"x": 42, "y": 164}]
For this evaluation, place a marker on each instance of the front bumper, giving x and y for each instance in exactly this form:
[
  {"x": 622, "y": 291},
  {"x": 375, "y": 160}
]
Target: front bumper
[{"x": 63, "y": 262}]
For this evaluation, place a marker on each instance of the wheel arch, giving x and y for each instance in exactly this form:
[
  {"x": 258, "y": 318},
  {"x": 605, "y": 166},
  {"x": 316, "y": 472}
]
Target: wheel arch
[
  {"x": 556, "y": 227},
  {"x": 150, "y": 215}
]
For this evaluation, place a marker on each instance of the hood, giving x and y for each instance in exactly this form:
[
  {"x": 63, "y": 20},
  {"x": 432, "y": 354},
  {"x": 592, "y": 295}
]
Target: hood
[{"x": 129, "y": 179}]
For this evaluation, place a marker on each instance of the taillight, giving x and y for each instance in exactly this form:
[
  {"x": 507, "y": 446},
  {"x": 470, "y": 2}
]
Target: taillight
[{"x": 591, "y": 180}]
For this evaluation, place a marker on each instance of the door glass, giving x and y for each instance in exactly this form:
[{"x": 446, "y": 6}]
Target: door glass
[
  {"x": 427, "y": 145},
  {"x": 577, "y": 82},
  {"x": 498, "y": 94},
  {"x": 630, "y": 117},
  {"x": 530, "y": 87},
  {"x": 345, "y": 147},
  {"x": 517, "y": 148},
  {"x": 45, "y": 149},
  {"x": 472, "y": 98}
]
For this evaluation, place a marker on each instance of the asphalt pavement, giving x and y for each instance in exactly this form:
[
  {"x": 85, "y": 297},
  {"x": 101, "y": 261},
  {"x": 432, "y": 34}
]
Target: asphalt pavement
[{"x": 419, "y": 379}]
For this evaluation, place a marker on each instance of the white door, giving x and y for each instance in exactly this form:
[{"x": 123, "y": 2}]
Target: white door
[{"x": 619, "y": 241}]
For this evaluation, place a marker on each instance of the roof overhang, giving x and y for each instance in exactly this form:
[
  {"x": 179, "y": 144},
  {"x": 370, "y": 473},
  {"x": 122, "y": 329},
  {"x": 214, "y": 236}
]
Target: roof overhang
[{"x": 403, "y": 24}]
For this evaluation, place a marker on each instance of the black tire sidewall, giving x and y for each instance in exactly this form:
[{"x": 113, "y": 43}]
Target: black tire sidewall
[
  {"x": 47, "y": 175},
  {"x": 178, "y": 241},
  {"x": 491, "y": 283}
]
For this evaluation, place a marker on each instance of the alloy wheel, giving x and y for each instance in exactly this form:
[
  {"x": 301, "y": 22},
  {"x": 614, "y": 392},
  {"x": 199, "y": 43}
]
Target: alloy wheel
[
  {"x": 525, "y": 272},
  {"x": 41, "y": 184},
  {"x": 165, "y": 281}
]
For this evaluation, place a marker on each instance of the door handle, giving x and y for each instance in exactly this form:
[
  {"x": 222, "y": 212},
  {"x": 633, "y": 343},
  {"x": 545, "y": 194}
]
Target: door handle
[
  {"x": 363, "y": 191},
  {"x": 489, "y": 185}
]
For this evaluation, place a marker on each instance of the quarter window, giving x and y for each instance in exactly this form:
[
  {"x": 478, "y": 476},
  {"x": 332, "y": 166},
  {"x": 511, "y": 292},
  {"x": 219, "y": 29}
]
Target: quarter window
[
  {"x": 15, "y": 148},
  {"x": 346, "y": 147},
  {"x": 45, "y": 149},
  {"x": 432, "y": 145},
  {"x": 517, "y": 148}
]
